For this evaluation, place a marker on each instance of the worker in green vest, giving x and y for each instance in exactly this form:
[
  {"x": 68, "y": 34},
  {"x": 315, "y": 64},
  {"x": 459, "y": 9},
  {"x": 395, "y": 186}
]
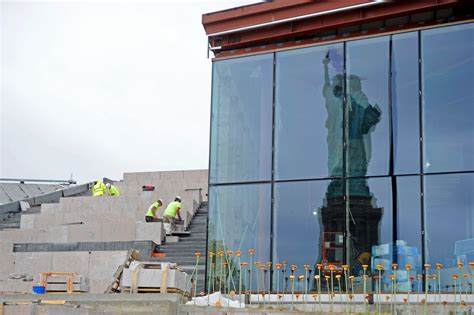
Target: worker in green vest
[
  {"x": 98, "y": 189},
  {"x": 151, "y": 215},
  {"x": 171, "y": 212},
  {"x": 112, "y": 190}
]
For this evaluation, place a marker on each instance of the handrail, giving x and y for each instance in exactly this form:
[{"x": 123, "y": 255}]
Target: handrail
[{"x": 23, "y": 180}]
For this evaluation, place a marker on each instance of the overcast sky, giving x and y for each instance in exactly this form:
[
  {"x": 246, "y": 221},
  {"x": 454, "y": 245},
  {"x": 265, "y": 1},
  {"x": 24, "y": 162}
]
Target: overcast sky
[{"x": 98, "y": 88}]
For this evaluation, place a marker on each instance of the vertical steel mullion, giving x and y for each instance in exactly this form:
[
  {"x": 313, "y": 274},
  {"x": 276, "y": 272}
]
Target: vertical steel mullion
[
  {"x": 208, "y": 182},
  {"x": 345, "y": 122},
  {"x": 272, "y": 205},
  {"x": 391, "y": 169},
  {"x": 422, "y": 184}
]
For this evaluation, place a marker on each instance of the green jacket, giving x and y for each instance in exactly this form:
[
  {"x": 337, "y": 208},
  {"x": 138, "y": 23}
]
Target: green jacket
[{"x": 172, "y": 209}]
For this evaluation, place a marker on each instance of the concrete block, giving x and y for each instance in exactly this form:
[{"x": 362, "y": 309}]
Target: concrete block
[
  {"x": 103, "y": 218},
  {"x": 128, "y": 218},
  {"x": 55, "y": 234},
  {"x": 45, "y": 221},
  {"x": 103, "y": 265},
  {"x": 32, "y": 263},
  {"x": 20, "y": 236},
  {"x": 152, "y": 231},
  {"x": 61, "y": 287},
  {"x": 99, "y": 286},
  {"x": 80, "y": 216},
  {"x": 195, "y": 175},
  {"x": 116, "y": 204},
  {"x": 70, "y": 203},
  {"x": 171, "y": 239},
  {"x": 84, "y": 233},
  {"x": 7, "y": 265},
  {"x": 70, "y": 261},
  {"x": 49, "y": 208},
  {"x": 167, "y": 175},
  {"x": 27, "y": 221},
  {"x": 151, "y": 278},
  {"x": 17, "y": 286},
  {"x": 118, "y": 232},
  {"x": 127, "y": 177}
]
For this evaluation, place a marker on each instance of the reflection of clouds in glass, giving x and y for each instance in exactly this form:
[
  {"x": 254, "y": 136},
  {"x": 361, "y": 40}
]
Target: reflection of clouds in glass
[{"x": 257, "y": 73}]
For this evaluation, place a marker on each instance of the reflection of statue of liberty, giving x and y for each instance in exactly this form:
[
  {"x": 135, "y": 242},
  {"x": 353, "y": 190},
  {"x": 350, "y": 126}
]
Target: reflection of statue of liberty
[
  {"x": 361, "y": 121},
  {"x": 362, "y": 118}
]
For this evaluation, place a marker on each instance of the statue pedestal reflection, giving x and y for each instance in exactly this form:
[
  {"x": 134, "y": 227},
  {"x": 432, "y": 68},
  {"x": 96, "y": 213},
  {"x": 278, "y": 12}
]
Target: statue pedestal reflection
[{"x": 364, "y": 219}]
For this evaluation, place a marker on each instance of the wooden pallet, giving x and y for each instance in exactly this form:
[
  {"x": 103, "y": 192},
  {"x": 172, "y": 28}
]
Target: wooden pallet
[{"x": 114, "y": 287}]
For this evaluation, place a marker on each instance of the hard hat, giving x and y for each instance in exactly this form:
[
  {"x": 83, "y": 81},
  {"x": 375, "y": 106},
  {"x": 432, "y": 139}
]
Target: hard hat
[
  {"x": 178, "y": 198},
  {"x": 160, "y": 201},
  {"x": 107, "y": 185}
]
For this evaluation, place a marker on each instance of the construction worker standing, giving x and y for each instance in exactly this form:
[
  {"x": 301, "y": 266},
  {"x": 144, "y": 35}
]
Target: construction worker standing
[
  {"x": 112, "y": 190},
  {"x": 151, "y": 215},
  {"x": 98, "y": 189},
  {"x": 171, "y": 212}
]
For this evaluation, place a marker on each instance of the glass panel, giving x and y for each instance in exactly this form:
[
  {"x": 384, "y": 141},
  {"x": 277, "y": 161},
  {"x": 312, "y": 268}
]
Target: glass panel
[
  {"x": 241, "y": 123},
  {"x": 308, "y": 137},
  {"x": 367, "y": 107},
  {"x": 370, "y": 223},
  {"x": 408, "y": 244},
  {"x": 239, "y": 220},
  {"x": 448, "y": 98},
  {"x": 309, "y": 229},
  {"x": 449, "y": 213},
  {"x": 405, "y": 104}
]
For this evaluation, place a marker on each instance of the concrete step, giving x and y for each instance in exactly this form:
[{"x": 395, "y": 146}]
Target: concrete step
[
  {"x": 177, "y": 252},
  {"x": 199, "y": 221},
  {"x": 178, "y": 260},
  {"x": 197, "y": 239},
  {"x": 197, "y": 231},
  {"x": 179, "y": 255},
  {"x": 196, "y": 234},
  {"x": 183, "y": 247}
]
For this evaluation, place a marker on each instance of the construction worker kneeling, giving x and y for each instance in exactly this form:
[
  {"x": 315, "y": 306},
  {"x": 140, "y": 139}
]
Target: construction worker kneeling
[
  {"x": 112, "y": 190},
  {"x": 151, "y": 215},
  {"x": 98, "y": 189},
  {"x": 171, "y": 212}
]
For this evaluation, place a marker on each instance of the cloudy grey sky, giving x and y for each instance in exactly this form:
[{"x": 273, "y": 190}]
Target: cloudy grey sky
[{"x": 98, "y": 88}]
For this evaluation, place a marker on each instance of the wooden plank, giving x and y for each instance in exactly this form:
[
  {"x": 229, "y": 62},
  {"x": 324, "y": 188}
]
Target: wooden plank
[{"x": 164, "y": 275}]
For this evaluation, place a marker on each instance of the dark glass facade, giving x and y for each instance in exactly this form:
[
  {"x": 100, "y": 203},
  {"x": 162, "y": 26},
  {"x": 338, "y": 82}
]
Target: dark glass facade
[{"x": 353, "y": 153}]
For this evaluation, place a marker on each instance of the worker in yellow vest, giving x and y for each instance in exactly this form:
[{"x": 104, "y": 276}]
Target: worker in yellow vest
[
  {"x": 171, "y": 212},
  {"x": 98, "y": 189},
  {"x": 151, "y": 215},
  {"x": 112, "y": 190}
]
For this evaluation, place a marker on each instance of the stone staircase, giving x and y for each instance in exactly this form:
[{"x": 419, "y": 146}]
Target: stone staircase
[{"x": 183, "y": 251}]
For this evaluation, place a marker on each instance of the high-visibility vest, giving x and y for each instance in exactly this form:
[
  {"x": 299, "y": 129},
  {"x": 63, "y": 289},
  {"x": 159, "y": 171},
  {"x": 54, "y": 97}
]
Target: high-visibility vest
[
  {"x": 113, "y": 191},
  {"x": 172, "y": 209},
  {"x": 98, "y": 189},
  {"x": 151, "y": 212}
]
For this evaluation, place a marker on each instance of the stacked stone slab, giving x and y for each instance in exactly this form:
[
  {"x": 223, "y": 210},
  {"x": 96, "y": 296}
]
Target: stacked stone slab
[{"x": 104, "y": 219}]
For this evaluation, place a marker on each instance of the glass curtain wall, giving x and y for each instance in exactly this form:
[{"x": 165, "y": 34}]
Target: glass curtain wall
[
  {"x": 357, "y": 154},
  {"x": 241, "y": 120}
]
